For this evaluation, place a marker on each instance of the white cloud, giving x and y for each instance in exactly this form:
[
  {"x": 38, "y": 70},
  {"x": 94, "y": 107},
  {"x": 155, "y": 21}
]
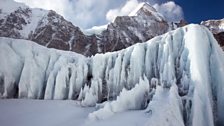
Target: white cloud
[
  {"x": 170, "y": 10},
  {"x": 125, "y": 10},
  {"x": 83, "y": 13},
  {"x": 57, "y": 5},
  {"x": 88, "y": 13}
]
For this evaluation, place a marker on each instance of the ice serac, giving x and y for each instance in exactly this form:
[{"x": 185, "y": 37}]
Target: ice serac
[{"x": 183, "y": 69}]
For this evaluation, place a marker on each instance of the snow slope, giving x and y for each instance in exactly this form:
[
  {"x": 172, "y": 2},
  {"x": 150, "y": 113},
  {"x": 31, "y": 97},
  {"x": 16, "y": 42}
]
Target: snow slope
[
  {"x": 183, "y": 70},
  {"x": 8, "y": 6}
]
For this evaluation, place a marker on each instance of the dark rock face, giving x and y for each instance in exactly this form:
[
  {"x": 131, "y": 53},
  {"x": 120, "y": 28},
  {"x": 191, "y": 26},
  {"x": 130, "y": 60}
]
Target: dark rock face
[
  {"x": 181, "y": 23},
  {"x": 12, "y": 23},
  {"x": 175, "y": 25},
  {"x": 54, "y": 31},
  {"x": 220, "y": 38},
  {"x": 128, "y": 30}
]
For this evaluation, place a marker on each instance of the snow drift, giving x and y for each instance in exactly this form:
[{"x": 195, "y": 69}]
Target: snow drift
[{"x": 184, "y": 67}]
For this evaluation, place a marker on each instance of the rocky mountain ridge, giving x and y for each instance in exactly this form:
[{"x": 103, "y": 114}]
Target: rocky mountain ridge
[{"x": 51, "y": 30}]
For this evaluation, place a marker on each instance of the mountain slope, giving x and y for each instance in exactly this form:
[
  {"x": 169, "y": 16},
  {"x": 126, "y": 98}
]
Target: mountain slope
[
  {"x": 41, "y": 26},
  {"x": 139, "y": 27},
  {"x": 175, "y": 65}
]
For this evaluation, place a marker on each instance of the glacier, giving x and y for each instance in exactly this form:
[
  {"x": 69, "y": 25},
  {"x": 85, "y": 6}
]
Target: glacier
[{"x": 177, "y": 78}]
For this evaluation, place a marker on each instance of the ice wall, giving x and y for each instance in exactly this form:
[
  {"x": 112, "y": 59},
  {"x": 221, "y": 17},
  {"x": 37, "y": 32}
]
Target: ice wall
[{"x": 188, "y": 60}]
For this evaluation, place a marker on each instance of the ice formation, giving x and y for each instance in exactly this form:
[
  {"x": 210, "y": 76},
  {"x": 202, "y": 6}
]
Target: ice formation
[
  {"x": 136, "y": 98},
  {"x": 182, "y": 72}
]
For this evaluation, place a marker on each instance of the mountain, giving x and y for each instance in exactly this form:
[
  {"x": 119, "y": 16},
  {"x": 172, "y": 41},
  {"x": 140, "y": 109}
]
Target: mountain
[
  {"x": 49, "y": 29},
  {"x": 141, "y": 25},
  {"x": 173, "y": 71},
  {"x": 173, "y": 79},
  {"x": 217, "y": 28},
  {"x": 44, "y": 27}
]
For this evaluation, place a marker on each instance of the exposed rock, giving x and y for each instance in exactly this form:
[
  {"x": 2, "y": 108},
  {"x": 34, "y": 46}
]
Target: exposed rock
[
  {"x": 14, "y": 22},
  {"x": 54, "y": 31},
  {"x": 141, "y": 25},
  {"x": 220, "y": 38},
  {"x": 217, "y": 28}
]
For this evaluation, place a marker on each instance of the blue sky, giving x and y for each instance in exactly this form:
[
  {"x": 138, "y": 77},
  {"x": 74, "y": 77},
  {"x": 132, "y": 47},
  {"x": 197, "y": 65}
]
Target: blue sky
[
  {"x": 89, "y": 13},
  {"x": 197, "y": 10}
]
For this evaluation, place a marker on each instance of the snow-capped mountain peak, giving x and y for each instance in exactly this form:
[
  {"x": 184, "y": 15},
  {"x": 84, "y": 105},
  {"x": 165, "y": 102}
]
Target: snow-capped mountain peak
[
  {"x": 140, "y": 7},
  {"x": 18, "y": 20},
  {"x": 9, "y": 6},
  {"x": 216, "y": 26},
  {"x": 145, "y": 9}
]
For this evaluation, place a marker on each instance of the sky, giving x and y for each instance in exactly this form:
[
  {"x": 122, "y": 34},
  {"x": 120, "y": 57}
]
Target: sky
[
  {"x": 196, "y": 11},
  {"x": 89, "y": 13}
]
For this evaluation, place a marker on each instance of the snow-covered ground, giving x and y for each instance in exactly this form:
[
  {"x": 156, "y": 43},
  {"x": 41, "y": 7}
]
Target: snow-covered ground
[{"x": 18, "y": 112}]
